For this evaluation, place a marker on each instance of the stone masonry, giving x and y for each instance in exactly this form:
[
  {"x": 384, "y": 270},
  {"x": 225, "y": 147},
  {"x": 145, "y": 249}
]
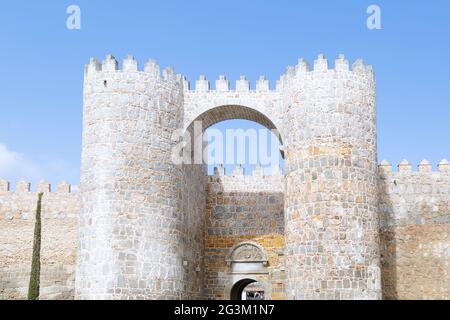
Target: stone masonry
[
  {"x": 244, "y": 208},
  {"x": 60, "y": 213},
  {"x": 414, "y": 212},
  {"x": 333, "y": 225}
]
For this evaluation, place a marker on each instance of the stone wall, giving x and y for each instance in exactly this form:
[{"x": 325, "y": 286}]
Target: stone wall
[
  {"x": 193, "y": 201},
  {"x": 60, "y": 211},
  {"x": 240, "y": 209},
  {"x": 415, "y": 231},
  {"x": 414, "y": 227},
  {"x": 149, "y": 230}
]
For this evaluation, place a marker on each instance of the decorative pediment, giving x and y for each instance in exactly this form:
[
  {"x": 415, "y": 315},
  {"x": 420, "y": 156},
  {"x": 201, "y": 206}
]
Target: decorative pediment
[{"x": 247, "y": 252}]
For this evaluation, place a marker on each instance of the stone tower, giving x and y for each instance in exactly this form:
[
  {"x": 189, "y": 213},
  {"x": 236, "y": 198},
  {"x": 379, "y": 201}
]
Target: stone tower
[
  {"x": 331, "y": 200},
  {"x": 130, "y": 228},
  {"x": 133, "y": 237}
]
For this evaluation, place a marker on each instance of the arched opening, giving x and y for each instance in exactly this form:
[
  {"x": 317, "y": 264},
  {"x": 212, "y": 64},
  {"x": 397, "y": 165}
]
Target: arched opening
[
  {"x": 195, "y": 131},
  {"x": 244, "y": 214},
  {"x": 230, "y": 112},
  {"x": 243, "y": 143},
  {"x": 247, "y": 289}
]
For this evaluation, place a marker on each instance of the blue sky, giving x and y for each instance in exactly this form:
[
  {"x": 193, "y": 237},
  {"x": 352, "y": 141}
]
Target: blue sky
[{"x": 42, "y": 64}]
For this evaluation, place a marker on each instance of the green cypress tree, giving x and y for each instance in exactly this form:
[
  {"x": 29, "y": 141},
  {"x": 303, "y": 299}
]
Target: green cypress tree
[{"x": 33, "y": 288}]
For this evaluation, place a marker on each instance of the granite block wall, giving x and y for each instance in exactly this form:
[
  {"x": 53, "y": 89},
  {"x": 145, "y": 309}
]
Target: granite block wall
[
  {"x": 415, "y": 231},
  {"x": 60, "y": 214},
  {"x": 241, "y": 209}
]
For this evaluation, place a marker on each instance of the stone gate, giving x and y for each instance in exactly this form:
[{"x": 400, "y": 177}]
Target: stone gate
[{"x": 333, "y": 225}]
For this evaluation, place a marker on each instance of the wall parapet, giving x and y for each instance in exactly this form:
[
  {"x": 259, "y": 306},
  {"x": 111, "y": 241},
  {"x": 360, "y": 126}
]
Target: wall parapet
[
  {"x": 405, "y": 167},
  {"x": 43, "y": 186},
  {"x": 130, "y": 65},
  {"x": 222, "y": 84},
  {"x": 414, "y": 211},
  {"x": 239, "y": 182},
  {"x": 321, "y": 68},
  {"x": 410, "y": 197},
  {"x": 203, "y": 85},
  {"x": 240, "y": 171},
  {"x": 20, "y": 204},
  {"x": 302, "y": 69}
]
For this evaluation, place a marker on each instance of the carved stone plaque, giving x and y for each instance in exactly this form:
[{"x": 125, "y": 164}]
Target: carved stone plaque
[{"x": 247, "y": 252}]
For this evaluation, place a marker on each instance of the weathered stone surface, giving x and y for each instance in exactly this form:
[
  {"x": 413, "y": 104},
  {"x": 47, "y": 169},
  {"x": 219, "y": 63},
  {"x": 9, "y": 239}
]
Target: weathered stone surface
[
  {"x": 415, "y": 230},
  {"x": 150, "y": 229},
  {"x": 133, "y": 233},
  {"x": 240, "y": 209},
  {"x": 331, "y": 182},
  {"x": 60, "y": 214}
]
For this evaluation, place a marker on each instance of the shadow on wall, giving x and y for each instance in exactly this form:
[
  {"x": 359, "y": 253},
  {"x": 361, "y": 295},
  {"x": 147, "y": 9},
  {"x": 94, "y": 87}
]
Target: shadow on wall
[{"x": 388, "y": 246}]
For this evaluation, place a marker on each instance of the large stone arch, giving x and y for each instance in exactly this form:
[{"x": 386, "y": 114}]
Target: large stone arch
[
  {"x": 218, "y": 114},
  {"x": 230, "y": 112},
  {"x": 213, "y": 106}
]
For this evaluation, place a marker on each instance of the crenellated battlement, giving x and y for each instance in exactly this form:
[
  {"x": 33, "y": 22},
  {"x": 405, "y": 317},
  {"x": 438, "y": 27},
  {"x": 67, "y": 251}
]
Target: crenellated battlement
[
  {"x": 405, "y": 167},
  {"x": 243, "y": 85},
  {"x": 410, "y": 197},
  {"x": 239, "y": 171},
  {"x": 321, "y": 68},
  {"x": 110, "y": 65},
  {"x": 20, "y": 204},
  {"x": 24, "y": 186},
  {"x": 301, "y": 71},
  {"x": 238, "y": 181}
]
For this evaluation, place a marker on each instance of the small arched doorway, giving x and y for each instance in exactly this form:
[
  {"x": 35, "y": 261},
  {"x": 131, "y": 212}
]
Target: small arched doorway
[
  {"x": 248, "y": 272},
  {"x": 247, "y": 289}
]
